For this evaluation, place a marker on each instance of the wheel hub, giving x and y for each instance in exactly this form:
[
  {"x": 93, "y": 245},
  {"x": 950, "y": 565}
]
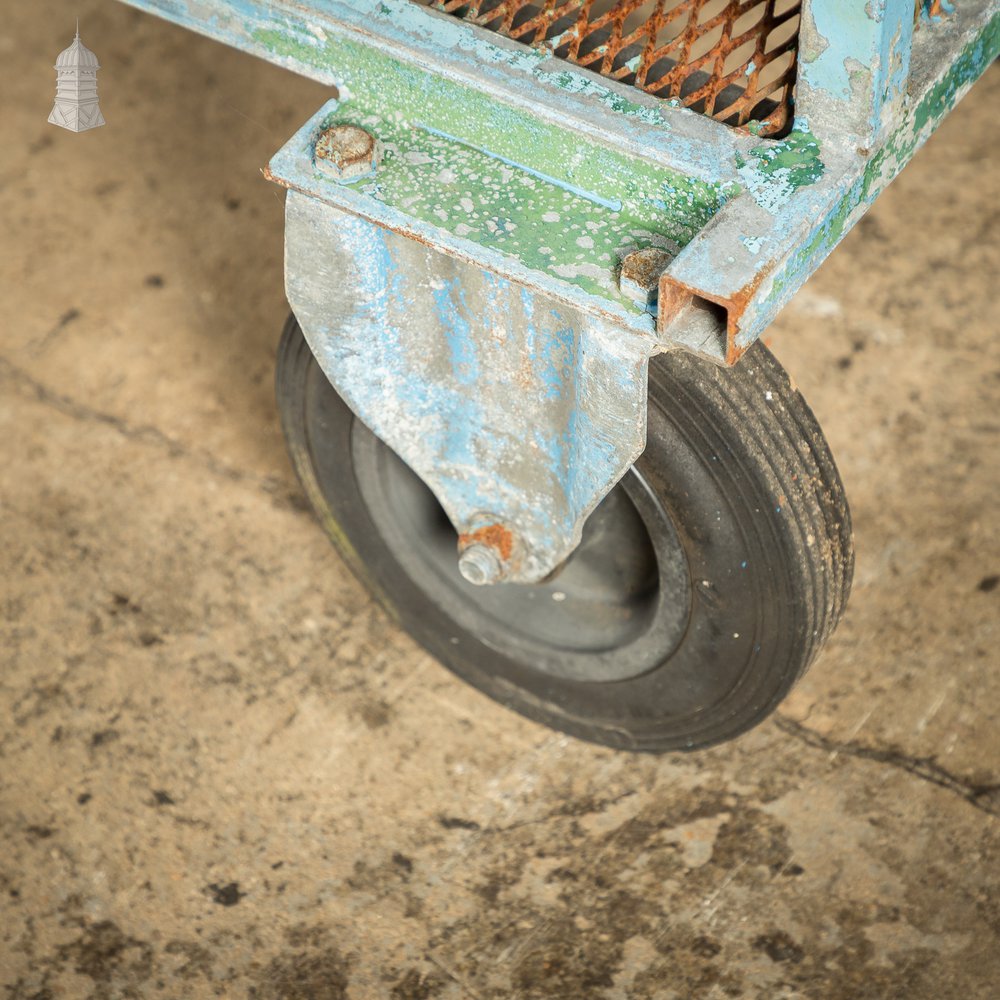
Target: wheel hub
[{"x": 614, "y": 610}]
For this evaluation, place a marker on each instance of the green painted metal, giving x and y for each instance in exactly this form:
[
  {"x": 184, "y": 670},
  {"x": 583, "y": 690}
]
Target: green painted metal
[
  {"x": 569, "y": 233},
  {"x": 499, "y": 176}
]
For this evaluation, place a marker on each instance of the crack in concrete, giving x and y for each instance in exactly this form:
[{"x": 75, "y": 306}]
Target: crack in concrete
[
  {"x": 982, "y": 796},
  {"x": 21, "y": 380},
  {"x": 43, "y": 342}
]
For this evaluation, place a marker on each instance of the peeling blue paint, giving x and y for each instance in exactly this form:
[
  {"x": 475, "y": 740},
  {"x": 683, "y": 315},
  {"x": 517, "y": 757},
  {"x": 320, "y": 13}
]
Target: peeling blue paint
[
  {"x": 503, "y": 400},
  {"x": 856, "y": 54},
  {"x": 845, "y": 29},
  {"x": 454, "y": 321}
]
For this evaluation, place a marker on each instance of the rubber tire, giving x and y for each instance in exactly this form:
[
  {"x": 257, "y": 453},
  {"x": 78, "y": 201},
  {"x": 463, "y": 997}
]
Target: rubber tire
[{"x": 737, "y": 459}]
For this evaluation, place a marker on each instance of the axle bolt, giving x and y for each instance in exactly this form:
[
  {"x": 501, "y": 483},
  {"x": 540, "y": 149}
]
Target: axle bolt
[
  {"x": 480, "y": 564},
  {"x": 347, "y": 153}
]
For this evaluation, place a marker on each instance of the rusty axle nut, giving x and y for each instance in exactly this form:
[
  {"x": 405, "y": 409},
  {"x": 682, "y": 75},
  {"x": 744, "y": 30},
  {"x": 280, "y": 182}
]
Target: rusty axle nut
[
  {"x": 485, "y": 551},
  {"x": 640, "y": 274},
  {"x": 347, "y": 153}
]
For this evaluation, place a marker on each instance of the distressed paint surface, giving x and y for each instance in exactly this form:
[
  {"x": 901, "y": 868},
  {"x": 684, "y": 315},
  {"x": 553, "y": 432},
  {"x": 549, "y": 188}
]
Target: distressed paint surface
[
  {"x": 510, "y": 406},
  {"x": 661, "y": 48},
  {"x": 885, "y": 164},
  {"x": 774, "y": 171},
  {"x": 678, "y": 175},
  {"x": 854, "y": 61},
  {"x": 534, "y": 183},
  {"x": 378, "y": 85},
  {"x": 755, "y": 255},
  {"x": 568, "y": 235},
  {"x": 489, "y": 172},
  {"x": 502, "y": 95}
]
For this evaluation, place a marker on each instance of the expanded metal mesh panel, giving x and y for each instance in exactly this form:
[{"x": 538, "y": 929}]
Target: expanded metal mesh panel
[{"x": 731, "y": 59}]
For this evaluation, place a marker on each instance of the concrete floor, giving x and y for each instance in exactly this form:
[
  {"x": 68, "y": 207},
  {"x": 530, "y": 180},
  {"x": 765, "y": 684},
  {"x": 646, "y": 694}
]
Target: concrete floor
[{"x": 224, "y": 772}]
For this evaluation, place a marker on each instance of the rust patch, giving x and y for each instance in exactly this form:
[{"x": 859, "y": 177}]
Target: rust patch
[
  {"x": 346, "y": 152},
  {"x": 640, "y": 273},
  {"x": 675, "y": 295},
  {"x": 496, "y": 536},
  {"x": 933, "y": 8},
  {"x": 733, "y": 60}
]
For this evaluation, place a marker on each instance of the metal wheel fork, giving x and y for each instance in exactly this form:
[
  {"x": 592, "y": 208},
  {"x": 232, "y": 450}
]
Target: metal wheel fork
[{"x": 518, "y": 410}]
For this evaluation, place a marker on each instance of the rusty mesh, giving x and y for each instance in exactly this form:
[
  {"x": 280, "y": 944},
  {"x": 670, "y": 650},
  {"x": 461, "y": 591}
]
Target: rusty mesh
[{"x": 733, "y": 60}]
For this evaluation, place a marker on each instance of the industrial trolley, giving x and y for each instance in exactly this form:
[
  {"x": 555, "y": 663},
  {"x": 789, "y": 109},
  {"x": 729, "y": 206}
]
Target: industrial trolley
[{"x": 530, "y": 248}]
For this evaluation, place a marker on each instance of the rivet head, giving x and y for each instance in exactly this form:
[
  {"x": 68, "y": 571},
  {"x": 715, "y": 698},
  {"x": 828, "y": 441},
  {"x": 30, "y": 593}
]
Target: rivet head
[
  {"x": 347, "y": 153},
  {"x": 640, "y": 274}
]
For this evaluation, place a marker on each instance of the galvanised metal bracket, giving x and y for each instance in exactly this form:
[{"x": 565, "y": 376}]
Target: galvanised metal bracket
[
  {"x": 519, "y": 409},
  {"x": 464, "y": 298}
]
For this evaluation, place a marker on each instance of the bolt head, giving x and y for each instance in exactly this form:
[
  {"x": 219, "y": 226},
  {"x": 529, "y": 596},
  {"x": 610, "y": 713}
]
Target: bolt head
[
  {"x": 347, "y": 153},
  {"x": 480, "y": 565},
  {"x": 640, "y": 274}
]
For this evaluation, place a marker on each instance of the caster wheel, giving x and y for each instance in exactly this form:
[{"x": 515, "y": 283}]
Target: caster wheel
[{"x": 705, "y": 583}]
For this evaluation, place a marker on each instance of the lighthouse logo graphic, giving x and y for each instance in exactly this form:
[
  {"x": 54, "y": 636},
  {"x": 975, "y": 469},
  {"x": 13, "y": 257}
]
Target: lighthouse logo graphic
[{"x": 76, "y": 106}]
